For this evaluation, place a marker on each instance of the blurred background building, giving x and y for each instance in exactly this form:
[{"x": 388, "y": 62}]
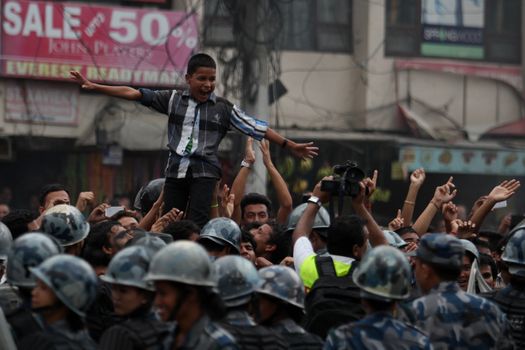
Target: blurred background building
[{"x": 392, "y": 84}]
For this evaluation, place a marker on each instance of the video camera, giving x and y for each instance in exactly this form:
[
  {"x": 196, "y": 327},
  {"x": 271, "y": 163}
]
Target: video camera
[{"x": 346, "y": 180}]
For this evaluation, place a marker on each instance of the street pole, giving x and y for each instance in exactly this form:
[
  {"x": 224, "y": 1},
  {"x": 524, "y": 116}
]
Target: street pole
[{"x": 255, "y": 64}]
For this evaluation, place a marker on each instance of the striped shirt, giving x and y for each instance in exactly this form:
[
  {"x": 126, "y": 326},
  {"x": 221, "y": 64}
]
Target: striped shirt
[{"x": 195, "y": 130}]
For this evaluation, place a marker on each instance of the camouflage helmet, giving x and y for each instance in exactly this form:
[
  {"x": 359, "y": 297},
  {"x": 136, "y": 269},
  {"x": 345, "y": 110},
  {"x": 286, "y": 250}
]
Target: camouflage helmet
[
  {"x": 129, "y": 267},
  {"x": 384, "y": 274},
  {"x": 237, "y": 279},
  {"x": 440, "y": 249},
  {"x": 27, "y": 251},
  {"x": 514, "y": 253},
  {"x": 148, "y": 194},
  {"x": 72, "y": 280},
  {"x": 470, "y": 247},
  {"x": 183, "y": 262},
  {"x": 223, "y": 231},
  {"x": 283, "y": 283},
  {"x": 149, "y": 241},
  {"x": 321, "y": 221},
  {"x": 66, "y": 223},
  {"x": 5, "y": 240},
  {"x": 394, "y": 240}
]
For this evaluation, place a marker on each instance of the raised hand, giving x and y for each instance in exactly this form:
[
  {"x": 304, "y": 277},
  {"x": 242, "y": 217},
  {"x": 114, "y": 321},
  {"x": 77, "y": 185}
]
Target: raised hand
[
  {"x": 98, "y": 214},
  {"x": 466, "y": 230},
  {"x": 444, "y": 194},
  {"x": 323, "y": 196},
  {"x": 172, "y": 216},
  {"x": 304, "y": 150},
  {"x": 504, "y": 190},
  {"x": 85, "y": 199},
  {"x": 449, "y": 211},
  {"x": 371, "y": 184},
  {"x": 359, "y": 200},
  {"x": 227, "y": 202},
  {"x": 80, "y": 79},
  {"x": 264, "y": 146},
  {"x": 397, "y": 222},
  {"x": 418, "y": 177}
]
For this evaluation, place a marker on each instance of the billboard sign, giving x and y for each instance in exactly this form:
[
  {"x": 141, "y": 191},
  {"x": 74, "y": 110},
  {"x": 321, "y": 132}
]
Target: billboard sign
[
  {"x": 117, "y": 45},
  {"x": 453, "y": 28},
  {"x": 463, "y": 160}
]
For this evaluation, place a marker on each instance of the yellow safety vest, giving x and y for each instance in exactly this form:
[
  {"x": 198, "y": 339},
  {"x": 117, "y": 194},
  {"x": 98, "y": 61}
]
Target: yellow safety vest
[{"x": 308, "y": 271}]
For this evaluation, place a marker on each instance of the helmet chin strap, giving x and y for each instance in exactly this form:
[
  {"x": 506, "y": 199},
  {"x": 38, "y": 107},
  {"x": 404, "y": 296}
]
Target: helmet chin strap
[
  {"x": 42, "y": 309},
  {"x": 183, "y": 293}
]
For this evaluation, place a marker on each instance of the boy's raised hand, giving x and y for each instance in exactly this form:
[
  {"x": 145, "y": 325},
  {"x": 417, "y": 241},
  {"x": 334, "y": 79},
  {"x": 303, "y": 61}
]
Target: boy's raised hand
[
  {"x": 80, "y": 79},
  {"x": 304, "y": 150}
]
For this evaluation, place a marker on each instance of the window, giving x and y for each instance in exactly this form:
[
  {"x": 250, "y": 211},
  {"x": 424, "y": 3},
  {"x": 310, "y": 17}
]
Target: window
[
  {"x": 218, "y": 28},
  {"x": 402, "y": 23},
  {"x": 307, "y": 25},
  {"x": 503, "y": 30},
  {"x": 485, "y": 30}
]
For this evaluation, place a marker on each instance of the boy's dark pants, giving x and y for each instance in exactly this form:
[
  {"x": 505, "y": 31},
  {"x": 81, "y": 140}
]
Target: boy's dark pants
[{"x": 199, "y": 193}]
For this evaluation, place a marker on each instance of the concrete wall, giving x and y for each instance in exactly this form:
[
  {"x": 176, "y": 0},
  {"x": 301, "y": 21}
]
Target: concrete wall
[
  {"x": 333, "y": 91},
  {"x": 330, "y": 91}
]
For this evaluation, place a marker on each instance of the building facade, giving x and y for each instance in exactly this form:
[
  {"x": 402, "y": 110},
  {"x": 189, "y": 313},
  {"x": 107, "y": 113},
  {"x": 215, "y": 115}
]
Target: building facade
[{"x": 396, "y": 84}]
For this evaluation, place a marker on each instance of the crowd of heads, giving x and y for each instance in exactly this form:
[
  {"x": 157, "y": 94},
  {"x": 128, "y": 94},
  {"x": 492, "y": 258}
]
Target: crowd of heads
[{"x": 59, "y": 259}]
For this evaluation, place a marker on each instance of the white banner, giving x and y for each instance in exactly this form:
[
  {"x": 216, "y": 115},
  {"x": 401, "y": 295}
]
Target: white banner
[{"x": 41, "y": 103}]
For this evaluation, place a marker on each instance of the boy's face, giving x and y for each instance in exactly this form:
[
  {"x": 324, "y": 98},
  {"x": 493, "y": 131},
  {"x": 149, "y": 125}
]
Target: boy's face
[{"x": 201, "y": 83}]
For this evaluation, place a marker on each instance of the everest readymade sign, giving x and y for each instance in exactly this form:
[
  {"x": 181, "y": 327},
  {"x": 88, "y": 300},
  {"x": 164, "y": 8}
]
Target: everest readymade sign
[{"x": 124, "y": 45}]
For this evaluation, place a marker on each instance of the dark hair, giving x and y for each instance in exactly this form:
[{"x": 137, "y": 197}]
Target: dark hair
[
  {"x": 133, "y": 232},
  {"x": 100, "y": 232},
  {"x": 493, "y": 238},
  {"x": 200, "y": 60},
  {"x": 97, "y": 239},
  {"x": 344, "y": 233},
  {"x": 480, "y": 243},
  {"x": 405, "y": 229},
  {"x": 485, "y": 259},
  {"x": 181, "y": 229},
  {"x": 246, "y": 237},
  {"x": 125, "y": 213},
  {"x": 17, "y": 221},
  {"x": 48, "y": 189},
  {"x": 255, "y": 198},
  {"x": 322, "y": 233},
  {"x": 282, "y": 241}
]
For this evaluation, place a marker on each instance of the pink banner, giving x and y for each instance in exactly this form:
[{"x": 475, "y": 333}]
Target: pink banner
[{"x": 117, "y": 45}]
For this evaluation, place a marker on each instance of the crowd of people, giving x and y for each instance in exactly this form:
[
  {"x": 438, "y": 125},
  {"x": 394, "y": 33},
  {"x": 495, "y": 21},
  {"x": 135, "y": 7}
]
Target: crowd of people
[
  {"x": 248, "y": 279},
  {"x": 196, "y": 264}
]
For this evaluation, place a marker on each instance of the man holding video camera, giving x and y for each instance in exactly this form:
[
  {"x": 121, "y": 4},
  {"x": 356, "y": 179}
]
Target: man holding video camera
[
  {"x": 348, "y": 236},
  {"x": 347, "y": 241}
]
